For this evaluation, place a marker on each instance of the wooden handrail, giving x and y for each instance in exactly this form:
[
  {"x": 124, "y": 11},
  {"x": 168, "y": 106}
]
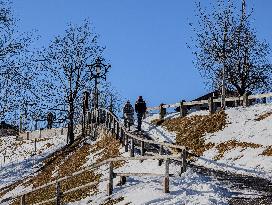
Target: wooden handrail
[
  {"x": 141, "y": 139},
  {"x": 201, "y": 102}
]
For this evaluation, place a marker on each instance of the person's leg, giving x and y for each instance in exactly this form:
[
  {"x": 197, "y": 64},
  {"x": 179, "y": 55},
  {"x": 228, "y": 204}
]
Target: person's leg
[
  {"x": 140, "y": 116},
  {"x": 138, "y": 122}
]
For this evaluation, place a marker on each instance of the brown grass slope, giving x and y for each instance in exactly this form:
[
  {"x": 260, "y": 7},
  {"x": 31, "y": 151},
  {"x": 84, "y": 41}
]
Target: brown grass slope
[
  {"x": 190, "y": 132},
  {"x": 67, "y": 161}
]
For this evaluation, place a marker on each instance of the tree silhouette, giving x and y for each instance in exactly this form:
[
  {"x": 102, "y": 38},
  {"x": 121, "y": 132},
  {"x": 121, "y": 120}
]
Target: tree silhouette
[
  {"x": 225, "y": 42},
  {"x": 66, "y": 74}
]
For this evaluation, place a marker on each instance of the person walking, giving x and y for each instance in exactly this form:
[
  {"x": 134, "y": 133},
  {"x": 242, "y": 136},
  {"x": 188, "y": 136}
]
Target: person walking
[
  {"x": 140, "y": 109},
  {"x": 128, "y": 114},
  {"x": 50, "y": 117}
]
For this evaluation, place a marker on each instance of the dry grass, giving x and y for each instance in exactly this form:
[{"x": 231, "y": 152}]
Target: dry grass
[
  {"x": 107, "y": 147},
  {"x": 268, "y": 151},
  {"x": 263, "y": 116},
  {"x": 190, "y": 130},
  {"x": 68, "y": 161},
  {"x": 231, "y": 144},
  {"x": 113, "y": 201}
]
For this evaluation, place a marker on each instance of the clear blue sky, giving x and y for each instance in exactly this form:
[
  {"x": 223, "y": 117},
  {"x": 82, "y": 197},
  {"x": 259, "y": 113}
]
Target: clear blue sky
[{"x": 145, "y": 40}]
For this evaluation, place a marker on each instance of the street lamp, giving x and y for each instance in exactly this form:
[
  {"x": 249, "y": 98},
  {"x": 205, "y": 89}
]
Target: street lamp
[{"x": 98, "y": 70}]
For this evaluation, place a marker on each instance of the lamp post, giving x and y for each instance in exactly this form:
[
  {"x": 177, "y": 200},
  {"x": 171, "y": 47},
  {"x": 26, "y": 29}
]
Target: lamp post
[{"x": 98, "y": 70}]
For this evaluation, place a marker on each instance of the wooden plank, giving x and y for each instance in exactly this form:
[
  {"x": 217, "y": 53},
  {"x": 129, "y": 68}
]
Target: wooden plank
[{"x": 139, "y": 174}]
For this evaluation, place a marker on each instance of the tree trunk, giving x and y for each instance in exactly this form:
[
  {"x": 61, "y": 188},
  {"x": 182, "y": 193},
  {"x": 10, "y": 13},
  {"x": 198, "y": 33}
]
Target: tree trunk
[{"x": 71, "y": 135}]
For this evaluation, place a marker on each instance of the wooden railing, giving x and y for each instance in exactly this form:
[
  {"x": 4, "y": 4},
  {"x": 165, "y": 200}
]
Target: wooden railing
[
  {"x": 183, "y": 104},
  {"x": 111, "y": 122}
]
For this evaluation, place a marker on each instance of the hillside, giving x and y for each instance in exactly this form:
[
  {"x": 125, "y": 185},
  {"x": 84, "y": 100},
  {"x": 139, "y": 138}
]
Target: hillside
[
  {"x": 237, "y": 140},
  {"x": 231, "y": 160}
]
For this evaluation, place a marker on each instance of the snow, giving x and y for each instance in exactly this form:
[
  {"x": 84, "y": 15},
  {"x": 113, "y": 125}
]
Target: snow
[
  {"x": 20, "y": 158},
  {"x": 190, "y": 188},
  {"x": 241, "y": 127}
]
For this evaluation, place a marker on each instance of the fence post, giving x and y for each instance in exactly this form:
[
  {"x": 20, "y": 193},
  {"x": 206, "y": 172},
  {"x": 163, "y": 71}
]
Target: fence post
[
  {"x": 110, "y": 184},
  {"x": 245, "y": 99},
  {"x": 58, "y": 194},
  {"x": 160, "y": 153},
  {"x": 27, "y": 135},
  {"x": 126, "y": 143},
  {"x": 184, "y": 163},
  {"x": 40, "y": 133},
  {"x": 131, "y": 147},
  {"x": 117, "y": 130},
  {"x": 264, "y": 100},
  {"x": 162, "y": 111},
  {"x": 142, "y": 148},
  {"x": 166, "y": 177},
  {"x": 183, "y": 110},
  {"x": 113, "y": 129},
  {"x": 122, "y": 137},
  {"x": 35, "y": 145},
  {"x": 122, "y": 180},
  {"x": 211, "y": 105},
  {"x": 22, "y": 200}
]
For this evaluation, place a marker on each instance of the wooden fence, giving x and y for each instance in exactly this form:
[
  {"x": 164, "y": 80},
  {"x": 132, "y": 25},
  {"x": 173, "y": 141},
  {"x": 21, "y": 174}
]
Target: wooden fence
[
  {"x": 183, "y": 105},
  {"x": 111, "y": 123}
]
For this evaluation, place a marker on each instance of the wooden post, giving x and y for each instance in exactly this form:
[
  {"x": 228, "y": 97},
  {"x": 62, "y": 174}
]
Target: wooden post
[
  {"x": 113, "y": 129},
  {"x": 264, "y": 100},
  {"x": 245, "y": 99},
  {"x": 117, "y": 130},
  {"x": 160, "y": 153},
  {"x": 58, "y": 194},
  {"x": 35, "y": 145},
  {"x": 183, "y": 110},
  {"x": 162, "y": 111},
  {"x": 142, "y": 148},
  {"x": 131, "y": 147},
  {"x": 122, "y": 137},
  {"x": 122, "y": 180},
  {"x": 211, "y": 106},
  {"x": 184, "y": 163},
  {"x": 40, "y": 133},
  {"x": 166, "y": 177},
  {"x": 22, "y": 200},
  {"x": 27, "y": 135},
  {"x": 61, "y": 131},
  {"x": 126, "y": 143},
  {"x": 110, "y": 184}
]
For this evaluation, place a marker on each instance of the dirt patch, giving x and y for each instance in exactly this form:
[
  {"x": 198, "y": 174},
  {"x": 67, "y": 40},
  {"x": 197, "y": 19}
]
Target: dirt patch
[
  {"x": 231, "y": 144},
  {"x": 267, "y": 152},
  {"x": 263, "y": 116},
  {"x": 190, "y": 130}
]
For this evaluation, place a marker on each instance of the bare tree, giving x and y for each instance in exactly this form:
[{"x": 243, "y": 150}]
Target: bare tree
[
  {"x": 226, "y": 46},
  {"x": 14, "y": 61},
  {"x": 66, "y": 74}
]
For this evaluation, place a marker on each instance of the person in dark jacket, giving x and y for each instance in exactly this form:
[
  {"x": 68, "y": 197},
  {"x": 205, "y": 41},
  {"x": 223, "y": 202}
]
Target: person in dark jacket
[
  {"x": 140, "y": 109},
  {"x": 128, "y": 113}
]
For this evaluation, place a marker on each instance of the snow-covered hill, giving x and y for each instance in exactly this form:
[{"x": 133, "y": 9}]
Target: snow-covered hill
[
  {"x": 199, "y": 185},
  {"x": 244, "y": 146}
]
